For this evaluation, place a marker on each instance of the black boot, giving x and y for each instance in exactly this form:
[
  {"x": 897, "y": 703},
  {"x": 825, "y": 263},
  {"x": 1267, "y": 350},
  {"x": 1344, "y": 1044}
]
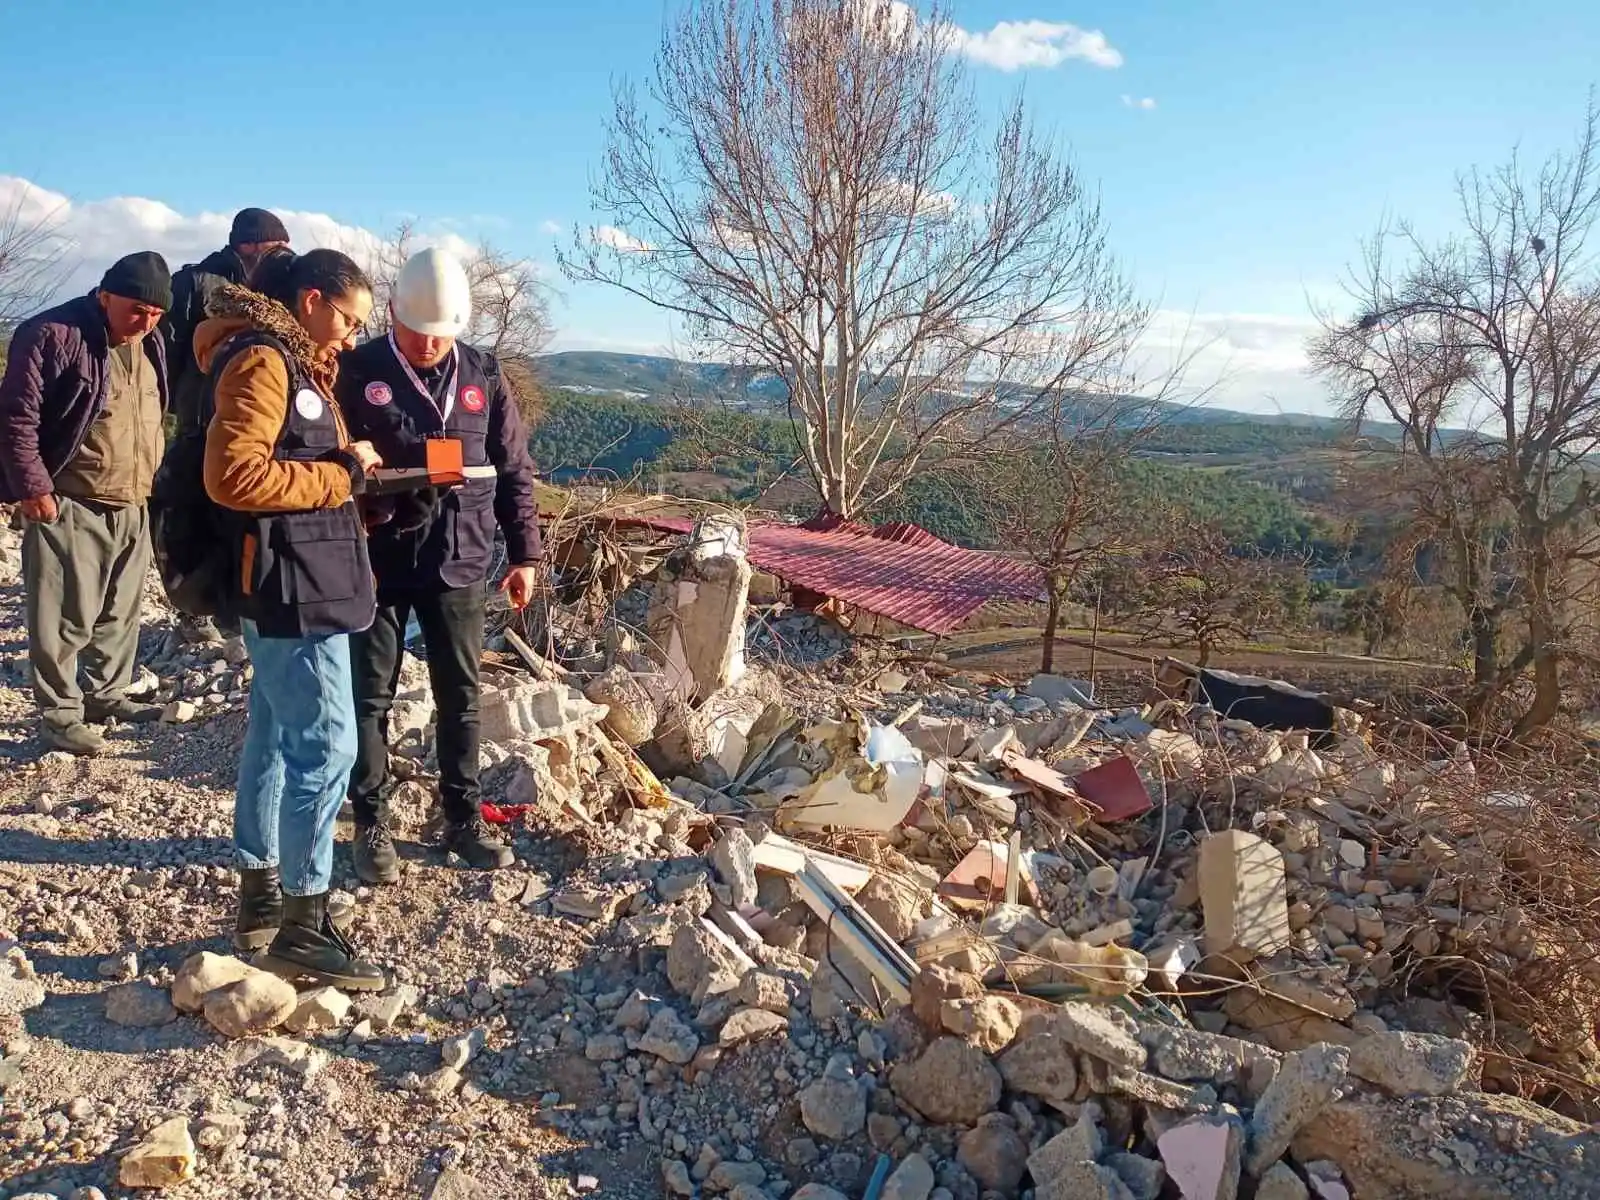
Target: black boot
[
  {"x": 260, "y": 908},
  {"x": 476, "y": 841},
  {"x": 308, "y": 946},
  {"x": 373, "y": 852}
]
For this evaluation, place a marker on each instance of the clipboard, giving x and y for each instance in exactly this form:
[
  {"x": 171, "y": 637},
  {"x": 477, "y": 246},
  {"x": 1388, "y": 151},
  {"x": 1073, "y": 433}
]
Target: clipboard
[{"x": 443, "y": 469}]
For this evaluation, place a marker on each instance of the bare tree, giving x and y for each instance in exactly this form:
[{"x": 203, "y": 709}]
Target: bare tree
[
  {"x": 32, "y": 263},
  {"x": 1194, "y": 587},
  {"x": 510, "y": 307},
  {"x": 1485, "y": 350},
  {"x": 810, "y": 190},
  {"x": 1060, "y": 499}
]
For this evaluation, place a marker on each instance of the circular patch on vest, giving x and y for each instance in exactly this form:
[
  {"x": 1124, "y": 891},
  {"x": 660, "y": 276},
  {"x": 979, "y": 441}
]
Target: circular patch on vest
[
  {"x": 379, "y": 393},
  {"x": 472, "y": 399},
  {"x": 308, "y": 404}
]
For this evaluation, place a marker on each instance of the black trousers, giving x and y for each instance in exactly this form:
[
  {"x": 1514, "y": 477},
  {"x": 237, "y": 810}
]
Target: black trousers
[{"x": 452, "y": 629}]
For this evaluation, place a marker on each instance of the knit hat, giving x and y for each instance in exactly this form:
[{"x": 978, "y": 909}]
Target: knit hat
[
  {"x": 252, "y": 225},
  {"x": 143, "y": 277}
]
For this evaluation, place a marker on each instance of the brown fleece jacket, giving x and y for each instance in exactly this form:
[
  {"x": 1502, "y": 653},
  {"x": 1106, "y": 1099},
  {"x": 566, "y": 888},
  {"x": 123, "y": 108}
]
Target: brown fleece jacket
[{"x": 252, "y": 403}]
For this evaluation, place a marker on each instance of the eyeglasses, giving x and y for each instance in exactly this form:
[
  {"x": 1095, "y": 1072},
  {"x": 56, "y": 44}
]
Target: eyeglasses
[{"x": 354, "y": 325}]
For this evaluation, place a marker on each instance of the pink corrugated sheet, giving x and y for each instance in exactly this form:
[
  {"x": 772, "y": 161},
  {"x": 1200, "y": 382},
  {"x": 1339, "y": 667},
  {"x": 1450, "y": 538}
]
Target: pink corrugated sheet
[{"x": 899, "y": 570}]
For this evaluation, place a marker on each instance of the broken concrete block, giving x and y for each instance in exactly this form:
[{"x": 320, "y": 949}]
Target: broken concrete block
[
  {"x": 1413, "y": 1064},
  {"x": 703, "y": 961},
  {"x": 1078, "y": 1142},
  {"x": 938, "y": 737},
  {"x": 1083, "y": 1181},
  {"x": 835, "y": 1106},
  {"x": 1190, "y": 1056},
  {"x": 696, "y": 623},
  {"x": 1102, "y": 1032},
  {"x": 733, "y": 858},
  {"x": 1304, "y": 1087},
  {"x": 895, "y": 904},
  {"x": 1243, "y": 895},
  {"x": 1282, "y": 1025},
  {"x": 935, "y": 984},
  {"x": 1162, "y": 1093},
  {"x": 1144, "y": 1177},
  {"x": 165, "y": 1158},
  {"x": 1203, "y": 1157},
  {"x": 951, "y": 1083},
  {"x": 1041, "y": 1064},
  {"x": 537, "y": 712},
  {"x": 913, "y": 1179},
  {"x": 994, "y": 1154},
  {"x": 1472, "y": 1146},
  {"x": 988, "y": 1022},
  {"x": 1281, "y": 1183},
  {"x": 1058, "y": 689},
  {"x": 631, "y": 710}
]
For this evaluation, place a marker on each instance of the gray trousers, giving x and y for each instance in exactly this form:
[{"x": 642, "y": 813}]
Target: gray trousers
[{"x": 84, "y": 574}]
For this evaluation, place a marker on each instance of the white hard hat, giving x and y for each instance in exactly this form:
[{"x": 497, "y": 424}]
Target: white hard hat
[{"x": 432, "y": 295}]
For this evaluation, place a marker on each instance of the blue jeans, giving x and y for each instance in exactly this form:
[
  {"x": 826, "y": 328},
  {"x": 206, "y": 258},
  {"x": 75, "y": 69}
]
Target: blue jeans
[{"x": 298, "y": 752}]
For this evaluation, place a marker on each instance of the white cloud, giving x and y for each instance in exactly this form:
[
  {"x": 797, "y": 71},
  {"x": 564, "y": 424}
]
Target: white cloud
[
  {"x": 1017, "y": 45},
  {"x": 1009, "y": 45},
  {"x": 1144, "y": 102},
  {"x": 551, "y": 227},
  {"x": 98, "y": 232},
  {"x": 1250, "y": 362},
  {"x": 620, "y": 240}
]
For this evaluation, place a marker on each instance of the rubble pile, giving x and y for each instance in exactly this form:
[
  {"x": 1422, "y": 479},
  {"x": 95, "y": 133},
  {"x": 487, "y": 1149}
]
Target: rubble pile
[{"x": 908, "y": 933}]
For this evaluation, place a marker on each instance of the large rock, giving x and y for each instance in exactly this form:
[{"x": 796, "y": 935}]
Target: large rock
[
  {"x": 320, "y": 1008},
  {"x": 1412, "y": 1064},
  {"x": 913, "y": 1179},
  {"x": 1190, "y": 1056},
  {"x": 1303, "y": 1088},
  {"x": 835, "y": 1106},
  {"x": 702, "y": 963},
  {"x": 1041, "y": 1064},
  {"x": 1083, "y": 1181},
  {"x": 165, "y": 1158},
  {"x": 951, "y": 1083},
  {"x": 894, "y": 904},
  {"x": 989, "y": 1022},
  {"x": 204, "y": 973},
  {"x": 631, "y": 711},
  {"x": 994, "y": 1154},
  {"x": 537, "y": 712},
  {"x": 1101, "y": 1032},
  {"x": 734, "y": 859},
  {"x": 137, "y": 1005},
  {"x": 1078, "y": 1142},
  {"x": 748, "y": 1024},
  {"x": 667, "y": 1037},
  {"x": 1281, "y": 1183},
  {"x": 258, "y": 1003},
  {"x": 935, "y": 984},
  {"x": 1471, "y": 1146}
]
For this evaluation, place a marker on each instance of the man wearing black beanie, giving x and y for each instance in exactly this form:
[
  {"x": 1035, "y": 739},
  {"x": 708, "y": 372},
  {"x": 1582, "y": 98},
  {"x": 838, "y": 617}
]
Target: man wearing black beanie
[
  {"x": 255, "y": 231},
  {"x": 81, "y": 409}
]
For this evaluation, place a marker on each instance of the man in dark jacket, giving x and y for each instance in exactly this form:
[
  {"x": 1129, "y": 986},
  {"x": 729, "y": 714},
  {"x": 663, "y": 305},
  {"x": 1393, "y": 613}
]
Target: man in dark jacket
[
  {"x": 432, "y": 552},
  {"x": 255, "y": 232},
  {"x": 81, "y": 410}
]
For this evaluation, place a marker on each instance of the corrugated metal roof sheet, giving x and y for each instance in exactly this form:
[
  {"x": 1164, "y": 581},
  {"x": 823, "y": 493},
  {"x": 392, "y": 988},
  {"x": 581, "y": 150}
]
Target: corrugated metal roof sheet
[{"x": 899, "y": 570}]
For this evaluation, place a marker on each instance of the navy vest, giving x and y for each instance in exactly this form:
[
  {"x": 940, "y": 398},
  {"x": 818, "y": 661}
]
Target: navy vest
[
  {"x": 382, "y": 405},
  {"x": 302, "y": 574}
]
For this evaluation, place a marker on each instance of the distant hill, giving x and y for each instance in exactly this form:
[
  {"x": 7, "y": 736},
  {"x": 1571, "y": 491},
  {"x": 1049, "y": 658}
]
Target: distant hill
[{"x": 663, "y": 380}]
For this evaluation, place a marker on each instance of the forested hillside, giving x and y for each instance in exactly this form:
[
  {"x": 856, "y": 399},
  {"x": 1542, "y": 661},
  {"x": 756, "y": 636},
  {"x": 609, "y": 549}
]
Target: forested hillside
[{"x": 680, "y": 451}]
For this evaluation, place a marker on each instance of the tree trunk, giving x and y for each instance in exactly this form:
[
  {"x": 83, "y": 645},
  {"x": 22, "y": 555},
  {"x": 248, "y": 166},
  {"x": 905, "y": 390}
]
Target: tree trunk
[
  {"x": 1485, "y": 628},
  {"x": 1047, "y": 658},
  {"x": 1542, "y": 639}
]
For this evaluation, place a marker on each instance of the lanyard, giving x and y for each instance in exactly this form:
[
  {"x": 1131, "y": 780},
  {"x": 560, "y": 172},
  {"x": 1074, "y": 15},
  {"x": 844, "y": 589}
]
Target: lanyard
[{"x": 416, "y": 382}]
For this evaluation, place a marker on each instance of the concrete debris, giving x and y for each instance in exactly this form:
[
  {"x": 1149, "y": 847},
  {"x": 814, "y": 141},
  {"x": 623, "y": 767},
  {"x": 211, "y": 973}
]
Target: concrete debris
[
  {"x": 164, "y": 1158},
  {"x": 1281, "y": 1183},
  {"x": 913, "y": 1179},
  {"x": 138, "y": 1005},
  {"x": 1203, "y": 1157},
  {"x": 1242, "y": 891},
  {"x": 1304, "y": 1087},
  {"x": 1413, "y": 1064},
  {"x": 994, "y": 1153},
  {"x": 696, "y": 624},
  {"x": 835, "y": 1106},
  {"x": 951, "y": 1083}
]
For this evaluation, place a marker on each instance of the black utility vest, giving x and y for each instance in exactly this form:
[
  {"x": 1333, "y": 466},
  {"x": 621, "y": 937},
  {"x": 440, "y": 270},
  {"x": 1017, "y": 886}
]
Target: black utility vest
[
  {"x": 302, "y": 574},
  {"x": 383, "y": 406}
]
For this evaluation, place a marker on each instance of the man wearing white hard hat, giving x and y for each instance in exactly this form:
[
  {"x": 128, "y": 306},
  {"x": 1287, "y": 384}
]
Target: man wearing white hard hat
[{"x": 432, "y": 550}]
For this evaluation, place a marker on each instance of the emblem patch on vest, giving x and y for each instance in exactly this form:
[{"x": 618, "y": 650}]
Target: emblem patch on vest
[
  {"x": 308, "y": 404},
  {"x": 379, "y": 394},
  {"x": 472, "y": 398}
]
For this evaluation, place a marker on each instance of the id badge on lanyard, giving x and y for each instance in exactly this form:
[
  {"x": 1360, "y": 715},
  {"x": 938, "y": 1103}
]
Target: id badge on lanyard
[{"x": 422, "y": 388}]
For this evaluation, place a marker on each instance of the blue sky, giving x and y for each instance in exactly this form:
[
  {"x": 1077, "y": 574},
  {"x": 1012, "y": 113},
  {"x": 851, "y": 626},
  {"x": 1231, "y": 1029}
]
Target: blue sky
[{"x": 1279, "y": 133}]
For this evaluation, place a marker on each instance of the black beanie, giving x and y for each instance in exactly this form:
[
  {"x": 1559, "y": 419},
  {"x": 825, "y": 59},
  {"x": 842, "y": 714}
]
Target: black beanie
[
  {"x": 256, "y": 225},
  {"x": 143, "y": 277}
]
